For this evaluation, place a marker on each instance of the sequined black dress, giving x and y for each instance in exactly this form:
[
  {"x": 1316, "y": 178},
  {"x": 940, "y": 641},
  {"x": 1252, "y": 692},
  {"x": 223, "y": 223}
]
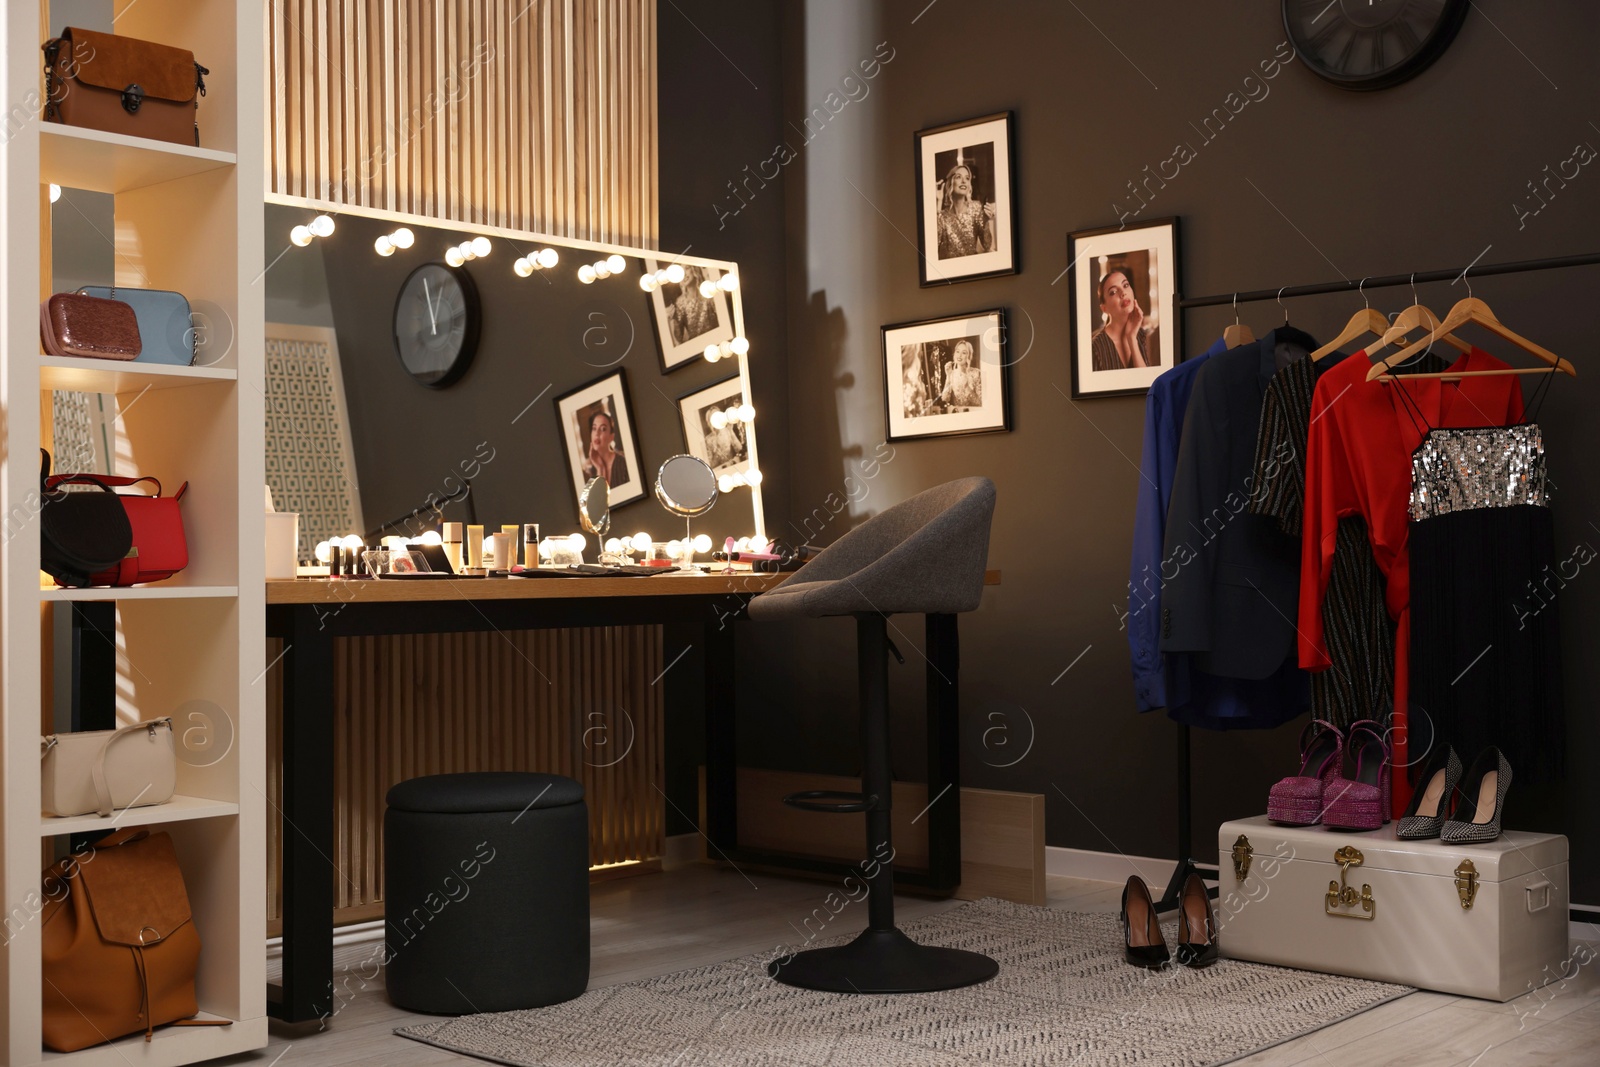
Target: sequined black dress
[{"x": 1485, "y": 586}]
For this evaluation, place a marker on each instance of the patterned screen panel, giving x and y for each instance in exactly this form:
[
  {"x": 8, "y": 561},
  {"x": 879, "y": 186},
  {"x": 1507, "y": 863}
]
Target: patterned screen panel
[{"x": 309, "y": 465}]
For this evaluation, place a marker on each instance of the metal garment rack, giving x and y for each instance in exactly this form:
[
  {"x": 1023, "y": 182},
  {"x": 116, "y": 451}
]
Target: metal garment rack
[{"x": 1186, "y": 863}]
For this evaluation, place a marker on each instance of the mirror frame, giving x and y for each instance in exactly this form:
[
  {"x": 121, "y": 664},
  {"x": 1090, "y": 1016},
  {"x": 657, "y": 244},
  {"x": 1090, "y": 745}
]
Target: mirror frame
[
  {"x": 601, "y": 249},
  {"x": 678, "y": 509}
]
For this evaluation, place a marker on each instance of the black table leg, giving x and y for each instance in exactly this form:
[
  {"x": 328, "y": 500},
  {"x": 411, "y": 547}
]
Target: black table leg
[
  {"x": 722, "y": 758},
  {"x": 307, "y": 835},
  {"x": 944, "y": 751}
]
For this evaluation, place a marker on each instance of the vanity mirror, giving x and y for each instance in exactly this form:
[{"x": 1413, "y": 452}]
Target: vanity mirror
[
  {"x": 686, "y": 486},
  {"x": 594, "y": 511}
]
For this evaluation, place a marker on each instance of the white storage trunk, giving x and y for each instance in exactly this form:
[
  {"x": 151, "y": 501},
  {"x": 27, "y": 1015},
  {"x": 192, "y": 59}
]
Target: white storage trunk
[{"x": 1487, "y": 921}]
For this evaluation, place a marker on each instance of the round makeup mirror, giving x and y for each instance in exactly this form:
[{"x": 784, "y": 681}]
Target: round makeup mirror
[
  {"x": 594, "y": 510},
  {"x": 686, "y": 486}
]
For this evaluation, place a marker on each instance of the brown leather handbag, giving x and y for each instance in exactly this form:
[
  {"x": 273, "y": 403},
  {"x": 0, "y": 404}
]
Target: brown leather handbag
[
  {"x": 71, "y": 324},
  {"x": 123, "y": 85},
  {"x": 120, "y": 947}
]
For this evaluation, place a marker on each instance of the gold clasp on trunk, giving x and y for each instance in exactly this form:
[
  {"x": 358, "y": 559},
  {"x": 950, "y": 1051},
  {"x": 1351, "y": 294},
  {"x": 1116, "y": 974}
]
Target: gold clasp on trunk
[
  {"x": 1467, "y": 884},
  {"x": 1241, "y": 858},
  {"x": 1342, "y": 895}
]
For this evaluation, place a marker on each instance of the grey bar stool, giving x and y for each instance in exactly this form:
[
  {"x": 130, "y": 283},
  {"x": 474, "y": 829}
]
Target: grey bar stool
[{"x": 925, "y": 555}]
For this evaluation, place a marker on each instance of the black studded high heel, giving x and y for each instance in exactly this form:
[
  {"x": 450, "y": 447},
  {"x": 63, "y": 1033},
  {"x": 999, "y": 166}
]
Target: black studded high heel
[
  {"x": 1143, "y": 945},
  {"x": 1430, "y": 805},
  {"x": 1482, "y": 801}
]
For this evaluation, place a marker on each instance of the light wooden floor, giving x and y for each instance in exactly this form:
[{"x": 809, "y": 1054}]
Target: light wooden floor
[{"x": 699, "y": 915}]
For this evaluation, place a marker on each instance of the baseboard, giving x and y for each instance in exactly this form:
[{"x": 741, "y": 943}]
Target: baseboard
[
  {"x": 683, "y": 850},
  {"x": 1106, "y": 866},
  {"x": 352, "y": 934}
]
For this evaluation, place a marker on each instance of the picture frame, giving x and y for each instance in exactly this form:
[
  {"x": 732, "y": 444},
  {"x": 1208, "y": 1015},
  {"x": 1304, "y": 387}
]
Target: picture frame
[
  {"x": 687, "y": 323},
  {"x": 946, "y": 377},
  {"x": 725, "y": 450},
  {"x": 959, "y": 242},
  {"x": 1136, "y": 267},
  {"x": 576, "y": 413}
]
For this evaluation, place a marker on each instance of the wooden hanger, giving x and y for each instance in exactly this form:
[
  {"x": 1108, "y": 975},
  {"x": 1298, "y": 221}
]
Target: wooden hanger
[
  {"x": 1413, "y": 317},
  {"x": 1237, "y": 334},
  {"x": 1362, "y": 322},
  {"x": 1473, "y": 310}
]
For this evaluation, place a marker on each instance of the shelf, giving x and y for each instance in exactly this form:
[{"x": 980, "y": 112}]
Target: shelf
[
  {"x": 103, "y": 162},
  {"x": 112, "y": 376},
  {"x": 170, "y": 1046},
  {"x": 178, "y": 809},
  {"x": 159, "y": 591}
]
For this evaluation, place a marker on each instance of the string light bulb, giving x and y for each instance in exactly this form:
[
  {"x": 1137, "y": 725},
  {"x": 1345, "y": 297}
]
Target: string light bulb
[
  {"x": 322, "y": 226},
  {"x": 300, "y": 236}
]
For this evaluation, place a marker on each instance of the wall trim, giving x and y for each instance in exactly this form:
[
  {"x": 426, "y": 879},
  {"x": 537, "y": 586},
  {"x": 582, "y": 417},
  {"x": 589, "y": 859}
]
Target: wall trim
[
  {"x": 1106, "y": 866},
  {"x": 682, "y": 850}
]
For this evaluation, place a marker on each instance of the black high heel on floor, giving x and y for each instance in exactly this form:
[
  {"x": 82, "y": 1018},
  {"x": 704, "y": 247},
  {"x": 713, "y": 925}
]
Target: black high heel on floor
[
  {"x": 1197, "y": 926},
  {"x": 1142, "y": 943}
]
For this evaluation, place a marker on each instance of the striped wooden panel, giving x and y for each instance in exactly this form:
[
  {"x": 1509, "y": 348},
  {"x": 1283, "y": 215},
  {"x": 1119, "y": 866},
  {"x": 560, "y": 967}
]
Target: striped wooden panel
[
  {"x": 574, "y": 702},
  {"x": 533, "y": 116}
]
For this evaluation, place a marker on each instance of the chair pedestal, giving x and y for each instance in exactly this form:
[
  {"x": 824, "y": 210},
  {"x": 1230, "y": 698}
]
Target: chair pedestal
[{"x": 881, "y": 959}]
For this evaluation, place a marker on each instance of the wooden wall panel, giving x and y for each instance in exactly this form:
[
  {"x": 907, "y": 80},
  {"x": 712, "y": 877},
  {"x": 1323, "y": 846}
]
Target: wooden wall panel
[
  {"x": 531, "y": 115},
  {"x": 574, "y": 702}
]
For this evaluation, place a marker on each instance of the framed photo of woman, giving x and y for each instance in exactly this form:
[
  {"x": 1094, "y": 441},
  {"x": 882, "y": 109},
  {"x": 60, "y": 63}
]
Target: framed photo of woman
[
  {"x": 1124, "y": 334},
  {"x": 965, "y": 197},
  {"x": 598, "y": 438},
  {"x": 686, "y": 322},
  {"x": 725, "y": 448},
  {"x": 944, "y": 377}
]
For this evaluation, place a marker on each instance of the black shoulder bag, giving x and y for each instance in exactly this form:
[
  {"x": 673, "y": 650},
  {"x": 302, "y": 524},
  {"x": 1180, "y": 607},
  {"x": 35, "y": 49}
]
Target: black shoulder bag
[{"x": 80, "y": 533}]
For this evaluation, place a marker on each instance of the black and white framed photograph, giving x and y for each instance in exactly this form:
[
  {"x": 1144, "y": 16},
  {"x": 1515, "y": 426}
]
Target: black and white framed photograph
[
  {"x": 686, "y": 322},
  {"x": 944, "y": 377},
  {"x": 965, "y": 201},
  {"x": 713, "y": 427},
  {"x": 598, "y": 436},
  {"x": 1123, "y": 283}
]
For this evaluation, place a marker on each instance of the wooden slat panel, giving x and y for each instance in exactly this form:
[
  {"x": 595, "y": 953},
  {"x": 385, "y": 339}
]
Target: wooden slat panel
[
  {"x": 573, "y": 702},
  {"x": 530, "y": 116}
]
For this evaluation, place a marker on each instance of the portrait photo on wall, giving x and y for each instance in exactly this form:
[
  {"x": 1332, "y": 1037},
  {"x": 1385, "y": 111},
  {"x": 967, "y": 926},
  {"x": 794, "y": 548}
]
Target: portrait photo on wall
[
  {"x": 597, "y": 433},
  {"x": 946, "y": 376},
  {"x": 714, "y": 429},
  {"x": 1123, "y": 283},
  {"x": 686, "y": 322},
  {"x": 965, "y": 197}
]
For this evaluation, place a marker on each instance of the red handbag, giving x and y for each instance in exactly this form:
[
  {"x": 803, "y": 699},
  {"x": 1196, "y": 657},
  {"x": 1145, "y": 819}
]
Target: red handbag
[{"x": 160, "y": 549}]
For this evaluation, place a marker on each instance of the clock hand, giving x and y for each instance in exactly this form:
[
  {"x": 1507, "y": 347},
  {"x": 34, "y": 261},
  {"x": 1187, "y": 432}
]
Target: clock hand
[{"x": 433, "y": 322}]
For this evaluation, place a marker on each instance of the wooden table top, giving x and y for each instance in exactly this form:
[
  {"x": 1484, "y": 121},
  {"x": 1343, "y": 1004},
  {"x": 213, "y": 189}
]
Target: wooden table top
[{"x": 345, "y": 590}]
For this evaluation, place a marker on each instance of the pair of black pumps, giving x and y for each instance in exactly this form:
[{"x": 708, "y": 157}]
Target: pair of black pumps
[{"x": 1143, "y": 945}]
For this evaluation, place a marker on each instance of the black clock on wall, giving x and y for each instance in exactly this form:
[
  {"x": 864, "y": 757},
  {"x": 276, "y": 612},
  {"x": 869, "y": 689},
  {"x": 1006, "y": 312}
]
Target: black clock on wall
[
  {"x": 436, "y": 322},
  {"x": 1372, "y": 44}
]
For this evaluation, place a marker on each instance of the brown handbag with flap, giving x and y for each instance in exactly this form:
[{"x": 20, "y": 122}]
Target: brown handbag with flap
[
  {"x": 120, "y": 947},
  {"x": 123, "y": 85}
]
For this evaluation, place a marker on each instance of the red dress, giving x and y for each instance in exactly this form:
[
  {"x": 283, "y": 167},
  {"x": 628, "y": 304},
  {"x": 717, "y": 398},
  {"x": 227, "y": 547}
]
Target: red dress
[{"x": 1358, "y": 462}]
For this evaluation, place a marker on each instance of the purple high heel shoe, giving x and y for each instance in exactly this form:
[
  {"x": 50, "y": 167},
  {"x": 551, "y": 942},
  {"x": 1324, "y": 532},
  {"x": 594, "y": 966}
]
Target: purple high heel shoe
[
  {"x": 1362, "y": 802},
  {"x": 1297, "y": 801}
]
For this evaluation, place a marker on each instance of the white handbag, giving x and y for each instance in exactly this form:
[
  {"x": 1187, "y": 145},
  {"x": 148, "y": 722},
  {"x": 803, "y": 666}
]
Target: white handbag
[{"x": 104, "y": 770}]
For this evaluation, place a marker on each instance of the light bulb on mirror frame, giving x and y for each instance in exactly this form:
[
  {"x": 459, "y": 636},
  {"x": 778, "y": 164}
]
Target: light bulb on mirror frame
[
  {"x": 702, "y": 543},
  {"x": 431, "y": 537},
  {"x": 747, "y": 413},
  {"x": 586, "y": 274},
  {"x": 752, "y": 477},
  {"x": 742, "y": 545},
  {"x": 576, "y": 542},
  {"x": 641, "y": 542},
  {"x": 728, "y": 282},
  {"x": 713, "y": 353},
  {"x": 522, "y": 267},
  {"x": 616, "y": 263},
  {"x": 740, "y": 346},
  {"x": 323, "y": 552},
  {"x": 760, "y": 544},
  {"x": 452, "y": 256},
  {"x": 300, "y": 236},
  {"x": 403, "y": 237},
  {"x": 725, "y": 483},
  {"x": 55, "y": 192},
  {"x": 675, "y": 273},
  {"x": 647, "y": 282},
  {"x": 322, "y": 225},
  {"x": 353, "y": 541},
  {"x": 613, "y": 546},
  {"x": 708, "y": 289},
  {"x": 548, "y": 258},
  {"x": 718, "y": 419},
  {"x": 481, "y": 246}
]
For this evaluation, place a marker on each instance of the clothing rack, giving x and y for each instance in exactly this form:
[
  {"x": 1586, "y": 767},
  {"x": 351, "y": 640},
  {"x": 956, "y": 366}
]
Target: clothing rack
[{"x": 1186, "y": 864}]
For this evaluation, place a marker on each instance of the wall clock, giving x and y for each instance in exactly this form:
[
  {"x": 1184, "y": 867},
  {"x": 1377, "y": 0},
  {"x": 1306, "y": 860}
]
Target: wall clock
[
  {"x": 436, "y": 323},
  {"x": 1372, "y": 44}
]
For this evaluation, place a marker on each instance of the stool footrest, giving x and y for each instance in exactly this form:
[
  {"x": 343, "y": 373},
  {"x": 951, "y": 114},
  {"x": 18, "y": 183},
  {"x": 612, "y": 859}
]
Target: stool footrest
[{"x": 831, "y": 801}]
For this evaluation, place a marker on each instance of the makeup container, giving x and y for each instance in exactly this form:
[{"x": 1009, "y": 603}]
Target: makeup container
[
  {"x": 452, "y": 545},
  {"x": 474, "y": 549},
  {"x": 530, "y": 544}
]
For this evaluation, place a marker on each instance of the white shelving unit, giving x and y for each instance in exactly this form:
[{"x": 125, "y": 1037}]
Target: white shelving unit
[{"x": 187, "y": 219}]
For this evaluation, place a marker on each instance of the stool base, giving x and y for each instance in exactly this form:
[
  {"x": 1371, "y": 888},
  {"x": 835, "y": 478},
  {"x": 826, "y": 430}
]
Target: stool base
[{"x": 884, "y": 961}]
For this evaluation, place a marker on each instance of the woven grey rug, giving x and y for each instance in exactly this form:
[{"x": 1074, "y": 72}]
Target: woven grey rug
[{"x": 1063, "y": 996}]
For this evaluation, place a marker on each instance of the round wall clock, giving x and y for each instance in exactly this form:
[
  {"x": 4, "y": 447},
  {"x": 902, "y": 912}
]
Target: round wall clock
[
  {"x": 436, "y": 322},
  {"x": 1371, "y": 44}
]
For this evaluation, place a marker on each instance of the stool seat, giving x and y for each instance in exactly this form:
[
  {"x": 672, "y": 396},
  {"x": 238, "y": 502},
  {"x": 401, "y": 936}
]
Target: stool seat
[{"x": 486, "y": 892}]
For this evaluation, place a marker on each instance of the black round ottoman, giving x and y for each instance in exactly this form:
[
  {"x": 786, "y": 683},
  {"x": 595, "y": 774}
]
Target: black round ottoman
[{"x": 486, "y": 892}]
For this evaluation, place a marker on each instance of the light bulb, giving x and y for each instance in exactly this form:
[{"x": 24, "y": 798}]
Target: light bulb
[
  {"x": 392, "y": 542},
  {"x": 641, "y": 542},
  {"x": 675, "y": 273},
  {"x": 613, "y": 545},
  {"x": 742, "y": 545},
  {"x": 718, "y": 419},
  {"x": 545, "y": 548},
  {"x": 324, "y": 552},
  {"x": 403, "y": 238},
  {"x": 747, "y": 413},
  {"x": 322, "y": 225},
  {"x": 728, "y": 282},
  {"x": 467, "y": 251},
  {"x": 759, "y": 544},
  {"x": 575, "y": 542},
  {"x": 713, "y": 353},
  {"x": 481, "y": 246},
  {"x": 353, "y": 541},
  {"x": 548, "y": 258},
  {"x": 616, "y": 263},
  {"x": 708, "y": 289},
  {"x": 753, "y": 477},
  {"x": 586, "y": 274},
  {"x": 647, "y": 282},
  {"x": 452, "y": 257},
  {"x": 55, "y": 192},
  {"x": 602, "y": 269},
  {"x": 740, "y": 345},
  {"x": 725, "y": 483},
  {"x": 300, "y": 236},
  {"x": 431, "y": 537},
  {"x": 522, "y": 267},
  {"x": 674, "y": 547},
  {"x": 702, "y": 543}
]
